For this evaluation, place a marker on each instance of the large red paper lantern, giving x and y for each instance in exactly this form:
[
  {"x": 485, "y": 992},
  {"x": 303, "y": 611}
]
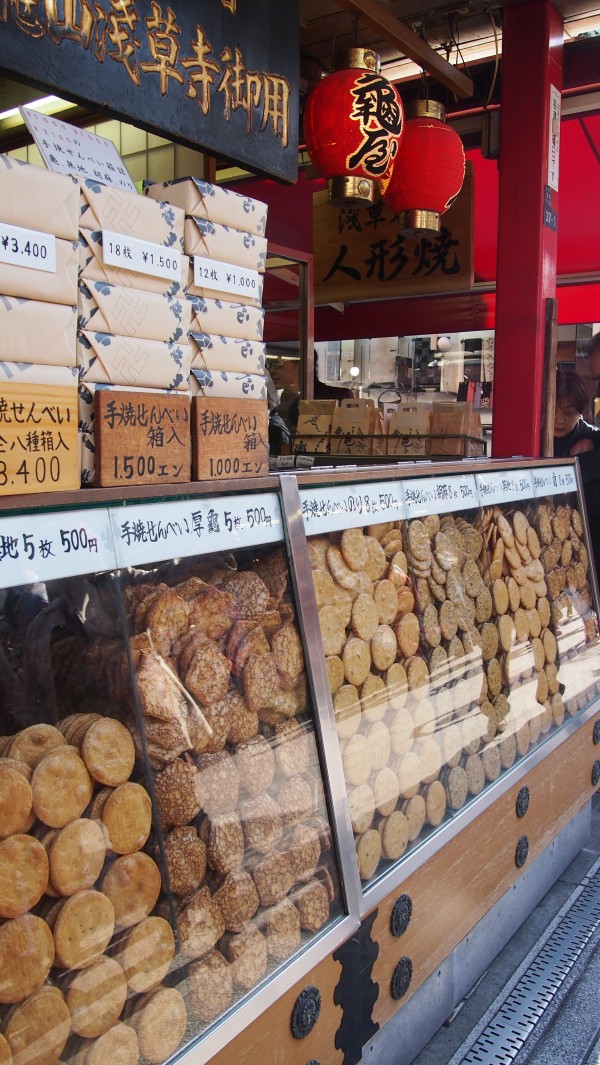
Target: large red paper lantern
[
  {"x": 353, "y": 124},
  {"x": 428, "y": 171}
]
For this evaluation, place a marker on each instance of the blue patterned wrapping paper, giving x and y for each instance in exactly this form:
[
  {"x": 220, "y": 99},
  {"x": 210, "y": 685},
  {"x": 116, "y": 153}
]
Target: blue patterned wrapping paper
[
  {"x": 106, "y": 207},
  {"x": 201, "y": 199},
  {"x": 223, "y": 317},
  {"x": 213, "y": 241},
  {"x": 227, "y": 353},
  {"x": 106, "y": 359},
  {"x": 93, "y": 268},
  {"x": 124, "y": 311},
  {"x": 228, "y": 385}
]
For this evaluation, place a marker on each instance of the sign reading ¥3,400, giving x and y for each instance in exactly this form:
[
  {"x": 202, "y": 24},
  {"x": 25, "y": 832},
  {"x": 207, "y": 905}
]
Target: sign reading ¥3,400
[{"x": 221, "y": 76}]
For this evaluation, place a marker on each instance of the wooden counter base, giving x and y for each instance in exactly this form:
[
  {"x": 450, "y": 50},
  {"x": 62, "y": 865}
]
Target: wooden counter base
[{"x": 448, "y": 896}]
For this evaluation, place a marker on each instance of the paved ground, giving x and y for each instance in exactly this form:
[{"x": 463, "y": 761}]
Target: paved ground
[{"x": 566, "y": 1031}]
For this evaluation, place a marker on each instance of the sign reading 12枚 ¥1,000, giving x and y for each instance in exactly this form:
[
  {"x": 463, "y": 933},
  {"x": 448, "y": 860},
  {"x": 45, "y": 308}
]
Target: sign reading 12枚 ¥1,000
[
  {"x": 360, "y": 253},
  {"x": 222, "y": 76}
]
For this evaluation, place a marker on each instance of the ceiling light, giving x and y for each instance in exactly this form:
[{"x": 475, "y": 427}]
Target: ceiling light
[{"x": 48, "y": 105}]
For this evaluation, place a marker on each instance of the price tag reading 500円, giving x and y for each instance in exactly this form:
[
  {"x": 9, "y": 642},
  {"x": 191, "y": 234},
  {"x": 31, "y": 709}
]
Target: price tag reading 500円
[
  {"x": 140, "y": 255},
  {"x": 553, "y": 480},
  {"x": 27, "y": 247},
  {"x": 506, "y": 486},
  {"x": 439, "y": 495},
  {"x": 349, "y": 506}
]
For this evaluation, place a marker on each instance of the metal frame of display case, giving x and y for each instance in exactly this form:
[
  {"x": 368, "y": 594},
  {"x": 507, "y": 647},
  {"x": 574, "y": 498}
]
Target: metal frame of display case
[
  {"x": 358, "y": 898},
  {"x": 373, "y": 894}
]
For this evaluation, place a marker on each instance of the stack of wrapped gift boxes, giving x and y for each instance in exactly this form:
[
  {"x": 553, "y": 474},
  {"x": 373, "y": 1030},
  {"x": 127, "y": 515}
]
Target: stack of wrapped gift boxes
[
  {"x": 225, "y": 238},
  {"x": 132, "y": 325},
  {"x": 38, "y": 296}
]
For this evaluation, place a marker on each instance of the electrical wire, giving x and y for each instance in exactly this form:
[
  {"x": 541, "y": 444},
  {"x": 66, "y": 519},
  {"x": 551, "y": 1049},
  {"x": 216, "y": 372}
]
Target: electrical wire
[{"x": 486, "y": 8}]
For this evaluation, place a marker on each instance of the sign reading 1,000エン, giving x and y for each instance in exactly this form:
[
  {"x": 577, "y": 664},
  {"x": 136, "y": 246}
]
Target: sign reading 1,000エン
[{"x": 220, "y": 76}]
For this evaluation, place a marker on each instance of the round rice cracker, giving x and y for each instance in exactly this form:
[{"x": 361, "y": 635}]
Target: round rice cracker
[
  {"x": 431, "y": 626},
  {"x": 368, "y": 853},
  {"x": 357, "y": 760},
  {"x": 335, "y": 672},
  {"x": 317, "y": 551},
  {"x": 365, "y": 616},
  {"x": 378, "y": 739},
  {"x": 383, "y": 647},
  {"x": 324, "y": 587},
  {"x": 402, "y": 733},
  {"x": 417, "y": 673},
  {"x": 394, "y": 835},
  {"x": 355, "y": 551},
  {"x": 408, "y": 634},
  {"x": 396, "y": 683},
  {"x": 415, "y": 812},
  {"x": 346, "y": 707},
  {"x": 356, "y": 657},
  {"x": 500, "y": 597},
  {"x": 377, "y": 564},
  {"x": 373, "y": 698},
  {"x": 385, "y": 790},
  {"x": 361, "y": 802},
  {"x": 385, "y": 596},
  {"x": 333, "y": 632},
  {"x": 341, "y": 572}
]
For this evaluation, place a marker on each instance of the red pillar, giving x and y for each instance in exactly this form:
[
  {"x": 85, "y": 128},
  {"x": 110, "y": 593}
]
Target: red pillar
[{"x": 532, "y": 47}]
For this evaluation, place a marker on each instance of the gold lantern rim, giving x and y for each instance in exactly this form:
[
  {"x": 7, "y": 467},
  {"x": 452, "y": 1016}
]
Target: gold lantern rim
[
  {"x": 357, "y": 59},
  {"x": 425, "y": 109}
]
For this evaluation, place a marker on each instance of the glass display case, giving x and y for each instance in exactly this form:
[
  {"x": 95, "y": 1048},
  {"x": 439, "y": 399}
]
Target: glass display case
[
  {"x": 459, "y": 628},
  {"x": 166, "y": 844},
  {"x": 232, "y": 723}
]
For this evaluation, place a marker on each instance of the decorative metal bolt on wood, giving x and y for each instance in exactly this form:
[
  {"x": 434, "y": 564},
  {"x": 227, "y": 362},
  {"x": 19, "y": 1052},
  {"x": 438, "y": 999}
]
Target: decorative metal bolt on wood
[
  {"x": 305, "y": 1013},
  {"x": 596, "y": 772},
  {"x": 401, "y": 978},
  {"x": 521, "y": 852},
  {"x": 401, "y": 915},
  {"x": 523, "y": 801},
  {"x": 596, "y": 733}
]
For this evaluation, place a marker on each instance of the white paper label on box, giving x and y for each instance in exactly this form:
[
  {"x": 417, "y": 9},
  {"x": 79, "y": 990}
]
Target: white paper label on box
[
  {"x": 439, "y": 495},
  {"x": 140, "y": 255},
  {"x": 553, "y": 480},
  {"x": 222, "y": 277},
  {"x": 27, "y": 247},
  {"x": 66, "y": 149},
  {"x": 45, "y": 547},
  {"x": 155, "y": 532},
  {"x": 350, "y": 506},
  {"x": 508, "y": 486}
]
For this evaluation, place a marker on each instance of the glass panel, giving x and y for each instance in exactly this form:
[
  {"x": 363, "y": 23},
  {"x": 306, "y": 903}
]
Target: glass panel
[
  {"x": 456, "y": 638},
  {"x": 165, "y": 842}
]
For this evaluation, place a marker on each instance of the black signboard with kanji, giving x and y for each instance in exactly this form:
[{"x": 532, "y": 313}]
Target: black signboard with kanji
[{"x": 221, "y": 75}]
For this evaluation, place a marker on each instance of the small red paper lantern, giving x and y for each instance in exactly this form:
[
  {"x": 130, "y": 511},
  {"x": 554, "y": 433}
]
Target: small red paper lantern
[
  {"x": 353, "y": 124},
  {"x": 428, "y": 171}
]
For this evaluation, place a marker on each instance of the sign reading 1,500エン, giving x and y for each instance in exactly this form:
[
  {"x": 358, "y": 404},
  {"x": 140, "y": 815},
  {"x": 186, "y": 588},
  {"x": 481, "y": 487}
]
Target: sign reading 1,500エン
[{"x": 220, "y": 76}]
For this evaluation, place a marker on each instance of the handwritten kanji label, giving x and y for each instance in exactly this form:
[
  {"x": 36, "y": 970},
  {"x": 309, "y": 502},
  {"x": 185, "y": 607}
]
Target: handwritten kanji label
[
  {"x": 67, "y": 149},
  {"x": 44, "y": 547},
  {"x": 553, "y": 480},
  {"x": 506, "y": 486},
  {"x": 179, "y": 529},
  {"x": 140, "y": 255},
  {"x": 439, "y": 495},
  {"x": 350, "y": 506}
]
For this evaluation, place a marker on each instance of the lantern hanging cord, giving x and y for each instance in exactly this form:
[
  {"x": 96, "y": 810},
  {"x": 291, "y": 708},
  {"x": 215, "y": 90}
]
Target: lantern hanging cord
[{"x": 486, "y": 8}]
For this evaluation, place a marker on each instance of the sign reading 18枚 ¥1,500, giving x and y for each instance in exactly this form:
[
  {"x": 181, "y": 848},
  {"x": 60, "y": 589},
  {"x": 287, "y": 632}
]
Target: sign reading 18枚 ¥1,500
[{"x": 222, "y": 76}]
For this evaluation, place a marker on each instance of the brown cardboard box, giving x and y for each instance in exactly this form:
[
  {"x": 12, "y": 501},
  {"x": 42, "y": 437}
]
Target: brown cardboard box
[
  {"x": 356, "y": 428},
  {"x": 452, "y": 426},
  {"x": 313, "y": 430},
  {"x": 408, "y": 430}
]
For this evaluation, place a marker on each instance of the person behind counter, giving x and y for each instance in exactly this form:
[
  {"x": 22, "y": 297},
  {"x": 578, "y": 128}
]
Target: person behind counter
[{"x": 574, "y": 436}]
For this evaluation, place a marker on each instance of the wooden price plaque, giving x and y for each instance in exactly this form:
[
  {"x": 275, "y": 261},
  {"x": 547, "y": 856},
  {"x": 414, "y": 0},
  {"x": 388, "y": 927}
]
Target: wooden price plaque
[
  {"x": 38, "y": 438},
  {"x": 230, "y": 438},
  {"x": 141, "y": 437}
]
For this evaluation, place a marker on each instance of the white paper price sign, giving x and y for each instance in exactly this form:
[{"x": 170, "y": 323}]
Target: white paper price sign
[
  {"x": 66, "y": 149},
  {"x": 506, "y": 486},
  {"x": 553, "y": 480},
  {"x": 439, "y": 495},
  {"x": 154, "y": 532},
  {"x": 140, "y": 255},
  {"x": 44, "y": 547},
  {"x": 235, "y": 280},
  {"x": 27, "y": 247},
  {"x": 350, "y": 506}
]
